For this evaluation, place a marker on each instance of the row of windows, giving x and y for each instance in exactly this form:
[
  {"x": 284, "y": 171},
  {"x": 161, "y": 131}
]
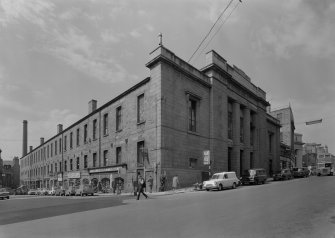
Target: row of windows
[
  {"x": 53, "y": 148},
  {"x": 74, "y": 164}
]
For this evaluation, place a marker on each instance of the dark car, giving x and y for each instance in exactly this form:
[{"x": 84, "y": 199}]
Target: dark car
[
  {"x": 60, "y": 192},
  {"x": 300, "y": 172},
  {"x": 285, "y": 174},
  {"x": 254, "y": 176},
  {"x": 70, "y": 191},
  {"x": 4, "y": 193},
  {"x": 22, "y": 190}
]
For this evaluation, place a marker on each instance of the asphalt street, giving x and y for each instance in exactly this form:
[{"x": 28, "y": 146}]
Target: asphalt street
[{"x": 295, "y": 208}]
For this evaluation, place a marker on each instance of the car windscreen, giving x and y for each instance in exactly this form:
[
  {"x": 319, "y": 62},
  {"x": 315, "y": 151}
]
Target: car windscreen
[
  {"x": 249, "y": 172},
  {"x": 215, "y": 176}
]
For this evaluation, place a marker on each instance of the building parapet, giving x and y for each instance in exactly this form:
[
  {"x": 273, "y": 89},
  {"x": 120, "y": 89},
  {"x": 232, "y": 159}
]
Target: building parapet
[
  {"x": 165, "y": 54},
  {"x": 213, "y": 58}
]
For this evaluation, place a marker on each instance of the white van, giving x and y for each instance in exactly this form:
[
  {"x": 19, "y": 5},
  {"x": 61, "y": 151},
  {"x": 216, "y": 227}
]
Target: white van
[{"x": 222, "y": 180}]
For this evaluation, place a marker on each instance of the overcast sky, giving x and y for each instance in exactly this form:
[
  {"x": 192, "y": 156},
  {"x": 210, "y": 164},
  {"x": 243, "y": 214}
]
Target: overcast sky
[{"x": 55, "y": 56}]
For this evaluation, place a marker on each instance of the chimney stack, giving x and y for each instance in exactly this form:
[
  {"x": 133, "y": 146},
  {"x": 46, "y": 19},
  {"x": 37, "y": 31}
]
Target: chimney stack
[
  {"x": 42, "y": 140},
  {"x": 59, "y": 128},
  {"x": 92, "y": 106},
  {"x": 25, "y": 138},
  {"x": 30, "y": 148}
]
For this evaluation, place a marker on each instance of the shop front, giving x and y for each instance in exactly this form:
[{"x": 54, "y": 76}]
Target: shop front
[
  {"x": 108, "y": 179},
  {"x": 73, "y": 179}
]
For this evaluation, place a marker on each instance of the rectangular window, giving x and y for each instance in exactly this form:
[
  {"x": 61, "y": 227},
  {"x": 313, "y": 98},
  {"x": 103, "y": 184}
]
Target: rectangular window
[
  {"x": 140, "y": 108},
  {"x": 94, "y": 159},
  {"x": 192, "y": 114},
  {"x": 105, "y": 124},
  {"x": 60, "y": 145},
  {"x": 105, "y": 157},
  {"x": 48, "y": 151},
  {"x": 55, "y": 147},
  {"x": 51, "y": 150},
  {"x": 65, "y": 141},
  {"x": 95, "y": 129},
  {"x": 52, "y": 168},
  {"x": 118, "y": 118},
  {"x": 241, "y": 126},
  {"x": 192, "y": 162},
  {"x": 55, "y": 167},
  {"x": 71, "y": 165},
  {"x": 78, "y": 136},
  {"x": 118, "y": 155},
  {"x": 140, "y": 152},
  {"x": 85, "y": 161},
  {"x": 60, "y": 166},
  {"x": 78, "y": 163},
  {"x": 65, "y": 165},
  {"x": 85, "y": 133},
  {"x": 71, "y": 140},
  {"x": 230, "y": 120}
]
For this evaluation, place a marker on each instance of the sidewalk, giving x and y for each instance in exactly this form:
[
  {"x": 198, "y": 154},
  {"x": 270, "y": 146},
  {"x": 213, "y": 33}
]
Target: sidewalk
[{"x": 169, "y": 192}]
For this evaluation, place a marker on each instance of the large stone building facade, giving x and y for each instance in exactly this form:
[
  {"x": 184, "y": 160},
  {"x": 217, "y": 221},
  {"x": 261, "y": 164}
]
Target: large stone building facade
[{"x": 162, "y": 127}]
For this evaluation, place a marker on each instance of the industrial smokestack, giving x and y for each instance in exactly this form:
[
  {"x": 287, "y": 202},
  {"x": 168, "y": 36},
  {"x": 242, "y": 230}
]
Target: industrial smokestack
[
  {"x": 25, "y": 138},
  {"x": 42, "y": 140}
]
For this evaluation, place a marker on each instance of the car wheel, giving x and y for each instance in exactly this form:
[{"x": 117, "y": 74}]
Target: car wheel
[
  {"x": 7, "y": 197},
  {"x": 220, "y": 187},
  {"x": 234, "y": 186},
  {"x": 207, "y": 189}
]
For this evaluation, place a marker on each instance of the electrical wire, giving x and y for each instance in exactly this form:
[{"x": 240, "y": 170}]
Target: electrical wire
[
  {"x": 223, "y": 22},
  {"x": 221, "y": 14}
]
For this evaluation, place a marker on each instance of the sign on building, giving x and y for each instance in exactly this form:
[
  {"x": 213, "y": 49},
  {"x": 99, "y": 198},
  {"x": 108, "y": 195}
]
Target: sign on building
[{"x": 207, "y": 157}]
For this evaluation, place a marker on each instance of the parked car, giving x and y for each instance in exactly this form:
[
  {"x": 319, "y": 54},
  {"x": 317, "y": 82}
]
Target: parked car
[
  {"x": 4, "y": 193},
  {"x": 42, "y": 191},
  {"x": 70, "y": 191},
  {"x": 32, "y": 192},
  {"x": 85, "y": 190},
  {"x": 51, "y": 191},
  {"x": 300, "y": 172},
  {"x": 22, "y": 190},
  {"x": 254, "y": 176},
  {"x": 60, "y": 192},
  {"x": 284, "y": 174},
  {"x": 221, "y": 180}
]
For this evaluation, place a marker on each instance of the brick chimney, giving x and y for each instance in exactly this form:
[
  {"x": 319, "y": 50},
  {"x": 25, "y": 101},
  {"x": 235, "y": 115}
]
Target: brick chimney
[
  {"x": 41, "y": 140},
  {"x": 59, "y": 128},
  {"x": 25, "y": 138},
  {"x": 92, "y": 106}
]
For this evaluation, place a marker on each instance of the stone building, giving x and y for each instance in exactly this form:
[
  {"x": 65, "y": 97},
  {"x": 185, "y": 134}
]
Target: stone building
[
  {"x": 163, "y": 126},
  {"x": 9, "y": 172},
  {"x": 285, "y": 116}
]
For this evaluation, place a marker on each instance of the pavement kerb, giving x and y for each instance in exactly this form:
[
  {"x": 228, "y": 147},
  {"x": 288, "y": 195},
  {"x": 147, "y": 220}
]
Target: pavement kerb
[{"x": 169, "y": 192}]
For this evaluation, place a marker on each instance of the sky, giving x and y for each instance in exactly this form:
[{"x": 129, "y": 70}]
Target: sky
[{"x": 55, "y": 56}]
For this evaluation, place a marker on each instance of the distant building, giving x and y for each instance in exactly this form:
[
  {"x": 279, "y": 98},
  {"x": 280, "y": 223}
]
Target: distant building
[
  {"x": 314, "y": 153},
  {"x": 168, "y": 124},
  {"x": 285, "y": 116},
  {"x": 298, "y": 149},
  {"x": 9, "y": 173}
]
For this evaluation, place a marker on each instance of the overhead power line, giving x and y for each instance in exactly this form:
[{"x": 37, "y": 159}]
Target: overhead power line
[{"x": 221, "y": 14}]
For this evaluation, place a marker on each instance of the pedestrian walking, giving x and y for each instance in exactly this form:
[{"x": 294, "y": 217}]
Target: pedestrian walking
[
  {"x": 141, "y": 186},
  {"x": 175, "y": 182},
  {"x": 150, "y": 183}
]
